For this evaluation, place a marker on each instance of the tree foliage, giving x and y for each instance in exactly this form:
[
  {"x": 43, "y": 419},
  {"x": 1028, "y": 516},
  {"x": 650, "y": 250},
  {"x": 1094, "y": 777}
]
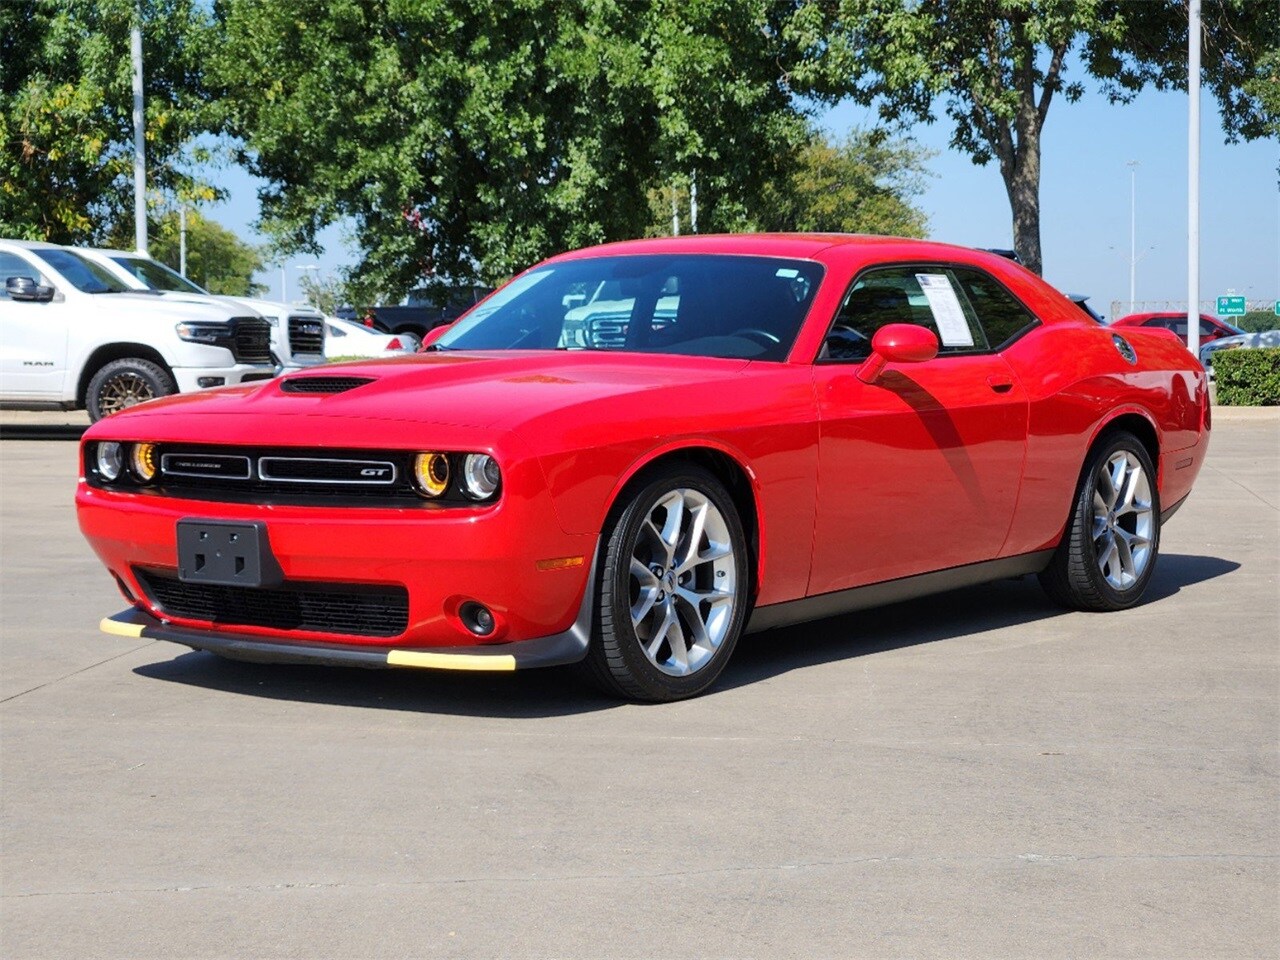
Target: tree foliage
[
  {"x": 995, "y": 67},
  {"x": 470, "y": 139},
  {"x": 66, "y": 112},
  {"x": 217, "y": 259}
]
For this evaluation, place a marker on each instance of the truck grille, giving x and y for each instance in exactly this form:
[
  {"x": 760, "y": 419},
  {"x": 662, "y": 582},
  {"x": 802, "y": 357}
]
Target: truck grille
[
  {"x": 306, "y": 335},
  {"x": 251, "y": 342},
  {"x": 341, "y": 608}
]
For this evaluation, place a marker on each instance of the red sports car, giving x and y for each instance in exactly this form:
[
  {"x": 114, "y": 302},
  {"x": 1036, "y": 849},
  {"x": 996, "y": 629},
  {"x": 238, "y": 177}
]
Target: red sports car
[
  {"x": 1211, "y": 328},
  {"x": 629, "y": 455}
]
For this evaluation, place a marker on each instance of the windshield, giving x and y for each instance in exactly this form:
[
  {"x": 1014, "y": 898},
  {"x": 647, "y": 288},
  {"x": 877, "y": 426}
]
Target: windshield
[
  {"x": 155, "y": 274},
  {"x": 85, "y": 275},
  {"x": 691, "y": 304}
]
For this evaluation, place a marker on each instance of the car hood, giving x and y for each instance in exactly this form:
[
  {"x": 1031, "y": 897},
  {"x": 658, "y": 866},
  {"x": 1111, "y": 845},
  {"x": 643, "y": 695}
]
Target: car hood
[
  {"x": 158, "y": 306},
  {"x": 272, "y": 308},
  {"x": 502, "y": 390}
]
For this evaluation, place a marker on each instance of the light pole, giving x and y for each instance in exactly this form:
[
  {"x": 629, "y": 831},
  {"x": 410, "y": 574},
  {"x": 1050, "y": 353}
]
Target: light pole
[
  {"x": 284, "y": 285},
  {"x": 1133, "y": 233},
  {"x": 139, "y": 148},
  {"x": 1193, "y": 178}
]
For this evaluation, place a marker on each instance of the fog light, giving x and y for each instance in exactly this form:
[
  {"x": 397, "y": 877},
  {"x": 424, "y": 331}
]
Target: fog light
[
  {"x": 477, "y": 618},
  {"x": 110, "y": 461},
  {"x": 210, "y": 381},
  {"x": 431, "y": 473},
  {"x": 142, "y": 458}
]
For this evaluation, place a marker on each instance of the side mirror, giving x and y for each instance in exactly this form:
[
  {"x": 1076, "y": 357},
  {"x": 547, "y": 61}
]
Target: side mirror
[
  {"x": 24, "y": 288},
  {"x": 434, "y": 334},
  {"x": 898, "y": 343}
]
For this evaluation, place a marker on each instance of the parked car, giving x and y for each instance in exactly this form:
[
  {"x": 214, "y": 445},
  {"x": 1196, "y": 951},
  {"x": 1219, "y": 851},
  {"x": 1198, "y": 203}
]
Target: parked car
[
  {"x": 297, "y": 333},
  {"x": 423, "y": 310},
  {"x": 346, "y": 339},
  {"x": 1081, "y": 300},
  {"x": 1243, "y": 341},
  {"x": 1211, "y": 328},
  {"x": 74, "y": 335},
  {"x": 822, "y": 424}
]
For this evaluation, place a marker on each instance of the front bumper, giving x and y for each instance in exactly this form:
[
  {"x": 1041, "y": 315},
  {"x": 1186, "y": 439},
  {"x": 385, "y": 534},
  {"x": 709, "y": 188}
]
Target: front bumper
[
  {"x": 188, "y": 378},
  {"x": 568, "y": 646}
]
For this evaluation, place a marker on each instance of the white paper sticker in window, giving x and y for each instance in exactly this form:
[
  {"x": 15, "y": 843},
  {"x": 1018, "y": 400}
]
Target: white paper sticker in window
[{"x": 953, "y": 328}]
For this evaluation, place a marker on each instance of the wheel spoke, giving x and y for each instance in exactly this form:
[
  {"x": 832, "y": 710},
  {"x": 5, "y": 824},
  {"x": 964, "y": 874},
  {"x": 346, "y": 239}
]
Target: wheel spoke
[
  {"x": 676, "y": 640},
  {"x": 643, "y": 605},
  {"x": 688, "y": 557},
  {"x": 1125, "y": 556},
  {"x": 643, "y": 573},
  {"x": 671, "y": 527}
]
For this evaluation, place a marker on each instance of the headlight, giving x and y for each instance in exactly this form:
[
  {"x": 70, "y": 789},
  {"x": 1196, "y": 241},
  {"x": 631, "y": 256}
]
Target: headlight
[
  {"x": 202, "y": 332},
  {"x": 431, "y": 473},
  {"x": 142, "y": 459},
  {"x": 273, "y": 321},
  {"x": 480, "y": 476},
  {"x": 110, "y": 461}
]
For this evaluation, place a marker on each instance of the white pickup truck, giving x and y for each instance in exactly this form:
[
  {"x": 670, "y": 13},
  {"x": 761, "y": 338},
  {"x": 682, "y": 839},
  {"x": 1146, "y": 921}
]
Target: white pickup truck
[
  {"x": 297, "y": 333},
  {"x": 74, "y": 335}
]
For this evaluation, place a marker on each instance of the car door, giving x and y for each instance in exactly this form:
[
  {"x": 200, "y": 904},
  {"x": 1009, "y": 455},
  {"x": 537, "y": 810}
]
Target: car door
[
  {"x": 918, "y": 471},
  {"x": 33, "y": 337}
]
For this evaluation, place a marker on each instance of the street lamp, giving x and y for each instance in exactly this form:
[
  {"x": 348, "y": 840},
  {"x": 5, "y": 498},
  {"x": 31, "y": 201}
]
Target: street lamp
[{"x": 1133, "y": 232}]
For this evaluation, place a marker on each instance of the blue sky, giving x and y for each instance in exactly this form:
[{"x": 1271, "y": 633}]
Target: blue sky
[{"x": 1084, "y": 201}]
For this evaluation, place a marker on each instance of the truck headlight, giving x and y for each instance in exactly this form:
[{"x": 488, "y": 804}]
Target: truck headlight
[{"x": 201, "y": 332}]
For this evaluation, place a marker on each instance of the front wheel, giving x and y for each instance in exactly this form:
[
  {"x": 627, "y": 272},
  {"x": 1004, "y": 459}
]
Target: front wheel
[
  {"x": 673, "y": 591},
  {"x": 124, "y": 383},
  {"x": 1108, "y": 552}
]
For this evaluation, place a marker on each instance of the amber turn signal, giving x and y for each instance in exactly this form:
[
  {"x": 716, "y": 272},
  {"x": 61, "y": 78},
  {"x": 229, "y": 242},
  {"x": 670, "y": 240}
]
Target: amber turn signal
[{"x": 431, "y": 474}]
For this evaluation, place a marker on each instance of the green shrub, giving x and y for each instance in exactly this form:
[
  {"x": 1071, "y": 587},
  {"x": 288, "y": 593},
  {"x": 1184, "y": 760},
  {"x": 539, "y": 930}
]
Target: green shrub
[
  {"x": 1256, "y": 321},
  {"x": 1248, "y": 378}
]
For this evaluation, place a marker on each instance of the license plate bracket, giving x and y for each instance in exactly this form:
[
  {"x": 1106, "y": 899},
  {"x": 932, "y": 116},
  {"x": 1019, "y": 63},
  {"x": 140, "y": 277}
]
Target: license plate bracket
[{"x": 226, "y": 553}]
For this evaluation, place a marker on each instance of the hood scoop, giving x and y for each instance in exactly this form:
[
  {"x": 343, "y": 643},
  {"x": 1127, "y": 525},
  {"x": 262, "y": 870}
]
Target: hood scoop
[{"x": 322, "y": 384}]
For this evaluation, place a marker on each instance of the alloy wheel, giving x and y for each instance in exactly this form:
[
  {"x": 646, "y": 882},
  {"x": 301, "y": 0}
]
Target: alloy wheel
[
  {"x": 1123, "y": 520},
  {"x": 123, "y": 391}
]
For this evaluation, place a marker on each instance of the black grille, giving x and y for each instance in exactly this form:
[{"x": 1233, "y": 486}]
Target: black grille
[
  {"x": 322, "y": 384},
  {"x": 252, "y": 341},
  {"x": 341, "y": 608},
  {"x": 306, "y": 335}
]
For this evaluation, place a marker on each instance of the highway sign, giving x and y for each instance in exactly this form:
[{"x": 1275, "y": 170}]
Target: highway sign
[{"x": 1231, "y": 307}]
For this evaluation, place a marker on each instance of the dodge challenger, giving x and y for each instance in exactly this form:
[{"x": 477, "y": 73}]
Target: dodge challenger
[{"x": 632, "y": 454}]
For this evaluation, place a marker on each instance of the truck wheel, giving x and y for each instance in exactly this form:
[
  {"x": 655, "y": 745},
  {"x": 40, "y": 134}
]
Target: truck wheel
[{"x": 124, "y": 383}]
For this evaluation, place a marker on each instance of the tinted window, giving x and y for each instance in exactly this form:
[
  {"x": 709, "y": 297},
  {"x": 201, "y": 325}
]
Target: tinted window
[
  {"x": 12, "y": 265},
  {"x": 697, "y": 305},
  {"x": 156, "y": 275},
  {"x": 1002, "y": 317},
  {"x": 85, "y": 275},
  {"x": 923, "y": 296}
]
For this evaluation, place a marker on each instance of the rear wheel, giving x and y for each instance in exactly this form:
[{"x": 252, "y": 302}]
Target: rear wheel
[
  {"x": 673, "y": 591},
  {"x": 1109, "y": 550},
  {"x": 124, "y": 383}
]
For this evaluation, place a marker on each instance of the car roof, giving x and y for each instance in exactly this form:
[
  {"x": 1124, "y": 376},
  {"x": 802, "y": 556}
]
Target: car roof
[
  {"x": 797, "y": 245},
  {"x": 32, "y": 244}
]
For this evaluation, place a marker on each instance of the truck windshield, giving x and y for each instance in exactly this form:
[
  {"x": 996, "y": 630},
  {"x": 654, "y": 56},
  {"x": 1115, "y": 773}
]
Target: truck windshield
[
  {"x": 156, "y": 275},
  {"x": 693, "y": 304},
  {"x": 85, "y": 275}
]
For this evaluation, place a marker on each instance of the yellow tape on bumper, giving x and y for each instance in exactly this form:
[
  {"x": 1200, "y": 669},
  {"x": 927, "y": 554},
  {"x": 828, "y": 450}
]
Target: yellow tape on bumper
[
  {"x": 109, "y": 625},
  {"x": 449, "y": 661}
]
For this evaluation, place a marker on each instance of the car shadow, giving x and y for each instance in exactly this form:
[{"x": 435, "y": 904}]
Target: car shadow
[{"x": 548, "y": 693}]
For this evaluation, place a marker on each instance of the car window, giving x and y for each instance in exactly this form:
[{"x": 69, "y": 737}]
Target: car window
[
  {"x": 12, "y": 265},
  {"x": 691, "y": 304},
  {"x": 1001, "y": 316},
  {"x": 156, "y": 275},
  {"x": 923, "y": 296},
  {"x": 85, "y": 275}
]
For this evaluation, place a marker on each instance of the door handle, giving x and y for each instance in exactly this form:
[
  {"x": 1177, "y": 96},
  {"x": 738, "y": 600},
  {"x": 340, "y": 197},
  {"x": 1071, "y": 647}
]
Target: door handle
[{"x": 999, "y": 383}]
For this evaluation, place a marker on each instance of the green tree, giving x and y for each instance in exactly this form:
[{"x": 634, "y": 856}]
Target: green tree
[
  {"x": 66, "y": 112},
  {"x": 863, "y": 185},
  {"x": 217, "y": 259},
  {"x": 996, "y": 66},
  {"x": 326, "y": 294},
  {"x": 470, "y": 138}
]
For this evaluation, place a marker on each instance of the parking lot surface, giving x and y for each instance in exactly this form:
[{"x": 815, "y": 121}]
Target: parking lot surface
[{"x": 973, "y": 775}]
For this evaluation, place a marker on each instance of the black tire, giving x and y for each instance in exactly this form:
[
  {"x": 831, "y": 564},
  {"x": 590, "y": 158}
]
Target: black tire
[
  {"x": 124, "y": 383},
  {"x": 1075, "y": 577},
  {"x": 617, "y": 661}
]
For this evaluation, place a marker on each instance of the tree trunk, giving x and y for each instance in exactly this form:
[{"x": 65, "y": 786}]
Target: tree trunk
[{"x": 1022, "y": 183}]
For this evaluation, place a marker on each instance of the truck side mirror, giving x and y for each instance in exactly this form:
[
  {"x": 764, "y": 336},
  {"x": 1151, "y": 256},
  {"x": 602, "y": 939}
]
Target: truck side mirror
[{"x": 24, "y": 288}]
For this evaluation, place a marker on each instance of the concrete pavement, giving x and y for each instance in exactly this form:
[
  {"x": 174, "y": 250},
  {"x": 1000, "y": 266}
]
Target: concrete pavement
[{"x": 975, "y": 775}]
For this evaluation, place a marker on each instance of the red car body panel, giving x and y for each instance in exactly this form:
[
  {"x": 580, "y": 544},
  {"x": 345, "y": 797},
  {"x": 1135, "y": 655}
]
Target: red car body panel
[
  {"x": 938, "y": 464},
  {"x": 1218, "y": 328}
]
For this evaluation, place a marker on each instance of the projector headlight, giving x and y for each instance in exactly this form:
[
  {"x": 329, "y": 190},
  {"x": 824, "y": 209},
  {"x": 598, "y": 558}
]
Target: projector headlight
[
  {"x": 110, "y": 461},
  {"x": 480, "y": 476}
]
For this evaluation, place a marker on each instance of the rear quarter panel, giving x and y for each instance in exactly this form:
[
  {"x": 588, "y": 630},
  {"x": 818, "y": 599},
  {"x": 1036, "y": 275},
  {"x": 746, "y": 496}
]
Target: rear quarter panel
[{"x": 1078, "y": 383}]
